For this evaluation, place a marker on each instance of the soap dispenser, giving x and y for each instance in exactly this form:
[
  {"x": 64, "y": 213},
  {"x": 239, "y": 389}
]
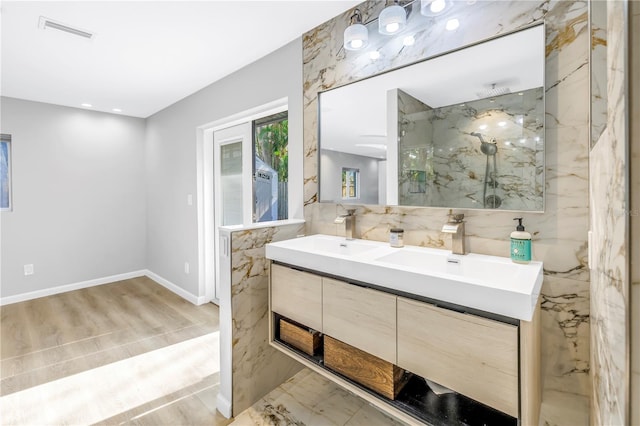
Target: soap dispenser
[{"x": 520, "y": 244}]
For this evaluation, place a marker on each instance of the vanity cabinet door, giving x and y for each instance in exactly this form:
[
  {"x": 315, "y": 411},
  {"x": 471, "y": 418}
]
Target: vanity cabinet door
[
  {"x": 475, "y": 356},
  {"x": 360, "y": 317},
  {"x": 297, "y": 295}
]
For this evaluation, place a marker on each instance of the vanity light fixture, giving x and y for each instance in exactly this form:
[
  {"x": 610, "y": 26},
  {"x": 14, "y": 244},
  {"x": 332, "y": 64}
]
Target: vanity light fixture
[
  {"x": 356, "y": 36},
  {"x": 392, "y": 19}
]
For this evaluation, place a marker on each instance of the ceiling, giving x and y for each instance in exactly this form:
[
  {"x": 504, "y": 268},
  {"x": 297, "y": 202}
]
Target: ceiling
[{"x": 145, "y": 55}]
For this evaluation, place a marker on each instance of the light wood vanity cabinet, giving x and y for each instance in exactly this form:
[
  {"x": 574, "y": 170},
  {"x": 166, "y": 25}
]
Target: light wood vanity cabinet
[
  {"x": 297, "y": 295},
  {"x": 496, "y": 363},
  {"x": 475, "y": 356},
  {"x": 362, "y": 317}
]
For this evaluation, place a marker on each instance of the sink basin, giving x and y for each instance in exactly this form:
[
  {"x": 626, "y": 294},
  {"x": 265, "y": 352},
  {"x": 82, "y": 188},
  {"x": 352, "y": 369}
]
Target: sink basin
[
  {"x": 488, "y": 283},
  {"x": 334, "y": 245}
]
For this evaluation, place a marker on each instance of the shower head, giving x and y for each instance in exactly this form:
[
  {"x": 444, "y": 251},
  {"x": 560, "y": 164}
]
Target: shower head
[
  {"x": 477, "y": 135},
  {"x": 493, "y": 92}
]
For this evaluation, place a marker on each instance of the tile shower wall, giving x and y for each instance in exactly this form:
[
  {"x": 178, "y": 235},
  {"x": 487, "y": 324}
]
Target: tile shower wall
[
  {"x": 609, "y": 223},
  {"x": 256, "y": 367},
  {"x": 559, "y": 234},
  {"x": 441, "y": 138}
]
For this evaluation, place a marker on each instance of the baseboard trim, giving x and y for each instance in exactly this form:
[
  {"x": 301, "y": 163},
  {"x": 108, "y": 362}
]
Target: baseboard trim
[
  {"x": 196, "y": 300},
  {"x": 224, "y": 406},
  {"x": 69, "y": 287}
]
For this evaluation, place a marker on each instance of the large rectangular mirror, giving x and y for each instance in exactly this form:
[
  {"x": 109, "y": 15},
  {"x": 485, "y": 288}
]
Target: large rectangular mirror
[{"x": 461, "y": 130}]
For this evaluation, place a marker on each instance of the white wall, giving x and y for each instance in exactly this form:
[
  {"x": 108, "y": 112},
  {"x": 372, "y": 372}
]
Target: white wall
[
  {"x": 172, "y": 227},
  {"x": 78, "y": 196}
]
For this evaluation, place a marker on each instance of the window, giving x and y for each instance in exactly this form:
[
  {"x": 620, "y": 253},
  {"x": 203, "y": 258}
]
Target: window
[
  {"x": 5, "y": 173},
  {"x": 271, "y": 167},
  {"x": 350, "y": 183}
]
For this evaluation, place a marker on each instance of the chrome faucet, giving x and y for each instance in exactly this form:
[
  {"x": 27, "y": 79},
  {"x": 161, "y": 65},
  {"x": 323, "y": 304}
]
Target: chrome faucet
[
  {"x": 455, "y": 227},
  {"x": 349, "y": 221}
]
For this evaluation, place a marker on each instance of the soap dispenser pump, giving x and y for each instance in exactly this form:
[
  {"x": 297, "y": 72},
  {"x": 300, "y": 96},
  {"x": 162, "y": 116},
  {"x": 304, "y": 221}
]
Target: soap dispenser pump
[{"x": 520, "y": 244}]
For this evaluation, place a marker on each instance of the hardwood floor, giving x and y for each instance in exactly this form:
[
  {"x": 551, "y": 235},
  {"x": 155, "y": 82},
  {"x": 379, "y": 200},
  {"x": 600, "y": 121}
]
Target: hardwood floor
[{"x": 129, "y": 352}]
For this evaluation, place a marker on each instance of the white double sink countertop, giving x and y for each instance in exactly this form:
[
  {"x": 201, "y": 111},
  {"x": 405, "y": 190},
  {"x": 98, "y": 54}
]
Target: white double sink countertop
[{"x": 487, "y": 283}]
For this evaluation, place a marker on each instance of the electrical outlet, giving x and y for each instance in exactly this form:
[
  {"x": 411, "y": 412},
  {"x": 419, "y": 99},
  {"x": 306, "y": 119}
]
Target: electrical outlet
[
  {"x": 186, "y": 267},
  {"x": 28, "y": 269}
]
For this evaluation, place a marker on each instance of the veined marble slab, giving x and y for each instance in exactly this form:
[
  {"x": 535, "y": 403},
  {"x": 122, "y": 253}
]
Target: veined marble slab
[{"x": 559, "y": 234}]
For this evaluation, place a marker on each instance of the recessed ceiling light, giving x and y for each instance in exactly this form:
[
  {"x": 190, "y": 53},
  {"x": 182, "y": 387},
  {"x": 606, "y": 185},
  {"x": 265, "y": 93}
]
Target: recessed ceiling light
[
  {"x": 86, "y": 105},
  {"x": 116, "y": 110}
]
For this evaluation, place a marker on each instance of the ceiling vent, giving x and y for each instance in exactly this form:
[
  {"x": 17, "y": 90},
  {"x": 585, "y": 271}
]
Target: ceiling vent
[{"x": 50, "y": 23}]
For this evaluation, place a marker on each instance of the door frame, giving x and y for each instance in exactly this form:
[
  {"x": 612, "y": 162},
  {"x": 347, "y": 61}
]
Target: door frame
[{"x": 205, "y": 202}]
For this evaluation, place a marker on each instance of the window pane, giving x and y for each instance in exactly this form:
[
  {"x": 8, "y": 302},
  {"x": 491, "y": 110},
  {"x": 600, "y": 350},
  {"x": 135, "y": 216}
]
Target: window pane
[
  {"x": 231, "y": 179},
  {"x": 271, "y": 168},
  {"x": 5, "y": 172}
]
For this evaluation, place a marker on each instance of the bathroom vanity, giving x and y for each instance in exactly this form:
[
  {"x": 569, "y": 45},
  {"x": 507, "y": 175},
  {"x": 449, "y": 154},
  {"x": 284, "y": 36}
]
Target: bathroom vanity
[{"x": 396, "y": 325}]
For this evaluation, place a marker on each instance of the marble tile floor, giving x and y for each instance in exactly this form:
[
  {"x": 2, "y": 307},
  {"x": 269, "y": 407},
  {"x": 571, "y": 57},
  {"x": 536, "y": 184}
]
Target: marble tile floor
[{"x": 308, "y": 399}]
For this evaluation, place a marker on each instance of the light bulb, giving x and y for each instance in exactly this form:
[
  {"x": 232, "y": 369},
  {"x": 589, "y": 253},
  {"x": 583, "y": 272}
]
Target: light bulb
[
  {"x": 452, "y": 24},
  {"x": 437, "y": 6},
  {"x": 393, "y": 27},
  {"x": 409, "y": 41},
  {"x": 356, "y": 44}
]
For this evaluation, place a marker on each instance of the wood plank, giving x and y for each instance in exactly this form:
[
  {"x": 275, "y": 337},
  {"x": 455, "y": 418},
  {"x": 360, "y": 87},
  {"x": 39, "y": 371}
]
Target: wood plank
[
  {"x": 474, "y": 356},
  {"x": 362, "y": 317},
  {"x": 297, "y": 295},
  {"x": 376, "y": 374},
  {"x": 530, "y": 385}
]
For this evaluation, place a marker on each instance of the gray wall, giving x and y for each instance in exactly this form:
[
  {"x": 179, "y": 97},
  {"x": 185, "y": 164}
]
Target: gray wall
[
  {"x": 172, "y": 237},
  {"x": 78, "y": 196},
  {"x": 331, "y": 164}
]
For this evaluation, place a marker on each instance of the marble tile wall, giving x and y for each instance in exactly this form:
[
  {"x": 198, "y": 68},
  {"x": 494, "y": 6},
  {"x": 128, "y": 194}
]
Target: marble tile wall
[
  {"x": 609, "y": 211},
  {"x": 256, "y": 367},
  {"x": 634, "y": 11},
  {"x": 559, "y": 234}
]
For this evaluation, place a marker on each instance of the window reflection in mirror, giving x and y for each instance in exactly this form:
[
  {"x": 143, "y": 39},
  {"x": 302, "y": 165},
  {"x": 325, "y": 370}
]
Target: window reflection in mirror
[{"x": 463, "y": 130}]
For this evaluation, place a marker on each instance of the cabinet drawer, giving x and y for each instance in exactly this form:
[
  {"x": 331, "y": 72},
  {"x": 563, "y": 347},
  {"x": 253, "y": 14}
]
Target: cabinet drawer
[
  {"x": 361, "y": 317},
  {"x": 297, "y": 295},
  {"x": 474, "y": 356}
]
